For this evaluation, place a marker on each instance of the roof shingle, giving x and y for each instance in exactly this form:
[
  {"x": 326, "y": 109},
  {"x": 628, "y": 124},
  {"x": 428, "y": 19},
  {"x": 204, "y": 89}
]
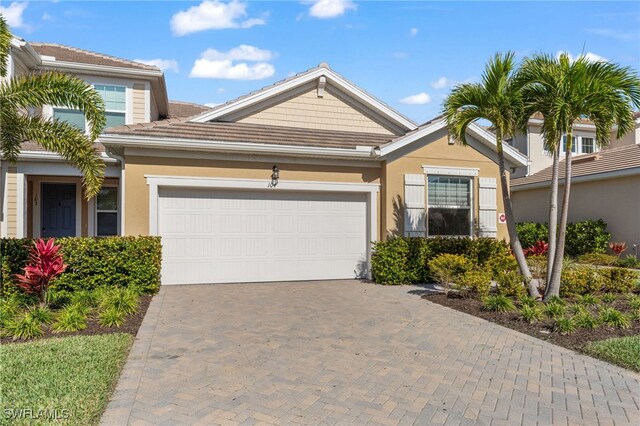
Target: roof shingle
[{"x": 73, "y": 54}]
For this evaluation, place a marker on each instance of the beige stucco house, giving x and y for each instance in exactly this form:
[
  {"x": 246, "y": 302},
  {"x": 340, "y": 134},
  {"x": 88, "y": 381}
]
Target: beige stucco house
[
  {"x": 605, "y": 183},
  {"x": 291, "y": 182}
]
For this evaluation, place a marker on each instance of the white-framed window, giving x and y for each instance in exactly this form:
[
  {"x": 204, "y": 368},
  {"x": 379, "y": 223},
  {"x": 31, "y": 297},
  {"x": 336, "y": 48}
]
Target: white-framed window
[
  {"x": 107, "y": 211},
  {"x": 115, "y": 101},
  {"x": 579, "y": 145},
  {"x": 449, "y": 206}
]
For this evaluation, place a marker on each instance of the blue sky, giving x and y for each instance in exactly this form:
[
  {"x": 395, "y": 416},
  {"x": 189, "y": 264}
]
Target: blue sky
[{"x": 406, "y": 53}]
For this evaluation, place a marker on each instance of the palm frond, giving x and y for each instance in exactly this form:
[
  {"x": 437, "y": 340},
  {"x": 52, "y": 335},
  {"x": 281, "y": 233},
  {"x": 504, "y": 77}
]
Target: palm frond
[{"x": 5, "y": 45}]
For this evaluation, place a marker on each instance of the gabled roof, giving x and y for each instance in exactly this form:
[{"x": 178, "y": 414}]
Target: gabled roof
[
  {"x": 81, "y": 56},
  {"x": 607, "y": 163},
  {"x": 322, "y": 70},
  {"x": 486, "y": 138}
]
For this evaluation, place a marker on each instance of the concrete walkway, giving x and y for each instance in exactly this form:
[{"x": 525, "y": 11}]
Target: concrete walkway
[{"x": 348, "y": 352}]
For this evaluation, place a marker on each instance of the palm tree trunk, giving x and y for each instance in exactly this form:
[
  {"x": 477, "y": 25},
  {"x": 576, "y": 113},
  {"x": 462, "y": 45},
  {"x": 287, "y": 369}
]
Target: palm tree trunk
[
  {"x": 516, "y": 247},
  {"x": 553, "y": 289},
  {"x": 553, "y": 213}
]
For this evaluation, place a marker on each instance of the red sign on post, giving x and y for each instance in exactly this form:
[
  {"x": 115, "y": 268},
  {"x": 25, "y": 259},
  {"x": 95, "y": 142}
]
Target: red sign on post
[{"x": 502, "y": 218}]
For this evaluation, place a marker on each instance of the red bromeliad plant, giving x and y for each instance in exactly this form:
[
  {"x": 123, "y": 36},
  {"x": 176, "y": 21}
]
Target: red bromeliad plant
[
  {"x": 45, "y": 264},
  {"x": 617, "y": 248},
  {"x": 538, "y": 249}
]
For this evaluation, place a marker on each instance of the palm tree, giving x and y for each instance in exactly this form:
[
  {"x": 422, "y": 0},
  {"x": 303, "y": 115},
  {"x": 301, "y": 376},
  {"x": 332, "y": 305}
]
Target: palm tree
[
  {"x": 20, "y": 95},
  {"x": 497, "y": 98},
  {"x": 565, "y": 91}
]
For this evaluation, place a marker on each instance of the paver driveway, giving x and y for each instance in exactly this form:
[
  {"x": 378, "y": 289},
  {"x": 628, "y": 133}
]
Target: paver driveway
[{"x": 349, "y": 352}]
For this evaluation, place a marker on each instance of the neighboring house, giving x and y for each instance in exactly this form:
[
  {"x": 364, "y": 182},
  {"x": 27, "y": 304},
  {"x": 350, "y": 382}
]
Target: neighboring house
[
  {"x": 291, "y": 182},
  {"x": 531, "y": 144},
  {"x": 605, "y": 185}
]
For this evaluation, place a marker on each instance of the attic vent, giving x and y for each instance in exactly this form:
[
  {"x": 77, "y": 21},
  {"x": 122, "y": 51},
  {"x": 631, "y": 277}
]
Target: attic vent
[{"x": 322, "y": 81}]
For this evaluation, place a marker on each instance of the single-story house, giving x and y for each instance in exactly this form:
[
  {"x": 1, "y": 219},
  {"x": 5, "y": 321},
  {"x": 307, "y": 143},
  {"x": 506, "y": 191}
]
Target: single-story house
[{"x": 291, "y": 182}]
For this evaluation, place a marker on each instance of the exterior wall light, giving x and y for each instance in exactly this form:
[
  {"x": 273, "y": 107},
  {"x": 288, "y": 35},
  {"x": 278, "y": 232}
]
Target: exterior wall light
[{"x": 275, "y": 175}]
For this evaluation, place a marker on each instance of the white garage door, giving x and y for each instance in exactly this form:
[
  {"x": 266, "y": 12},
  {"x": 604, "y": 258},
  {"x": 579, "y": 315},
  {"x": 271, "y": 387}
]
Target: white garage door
[{"x": 223, "y": 236}]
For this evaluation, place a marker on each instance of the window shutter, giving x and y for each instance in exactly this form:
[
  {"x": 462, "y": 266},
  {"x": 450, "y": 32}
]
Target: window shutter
[
  {"x": 414, "y": 206},
  {"x": 487, "y": 221}
]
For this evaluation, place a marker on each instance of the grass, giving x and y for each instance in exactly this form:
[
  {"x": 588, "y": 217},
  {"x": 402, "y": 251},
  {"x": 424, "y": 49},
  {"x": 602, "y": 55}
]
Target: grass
[
  {"x": 75, "y": 374},
  {"x": 622, "y": 351}
]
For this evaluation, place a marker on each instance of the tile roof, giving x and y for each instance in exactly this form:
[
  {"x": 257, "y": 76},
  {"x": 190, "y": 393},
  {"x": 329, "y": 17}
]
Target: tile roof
[
  {"x": 73, "y": 54},
  {"x": 34, "y": 147},
  {"x": 608, "y": 160},
  {"x": 251, "y": 133},
  {"x": 185, "y": 109}
]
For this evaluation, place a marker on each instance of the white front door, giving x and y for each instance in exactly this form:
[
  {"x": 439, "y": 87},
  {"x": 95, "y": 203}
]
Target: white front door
[{"x": 224, "y": 236}]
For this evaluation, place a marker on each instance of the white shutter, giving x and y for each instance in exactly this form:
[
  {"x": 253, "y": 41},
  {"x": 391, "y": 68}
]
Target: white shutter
[
  {"x": 414, "y": 206},
  {"x": 487, "y": 220}
]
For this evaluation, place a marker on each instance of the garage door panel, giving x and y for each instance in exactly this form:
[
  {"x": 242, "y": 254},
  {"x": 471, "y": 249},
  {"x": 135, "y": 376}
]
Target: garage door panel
[{"x": 236, "y": 236}]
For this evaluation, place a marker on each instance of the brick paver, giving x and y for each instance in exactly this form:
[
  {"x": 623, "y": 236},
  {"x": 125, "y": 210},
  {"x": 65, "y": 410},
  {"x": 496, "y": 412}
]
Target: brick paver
[{"x": 348, "y": 352}]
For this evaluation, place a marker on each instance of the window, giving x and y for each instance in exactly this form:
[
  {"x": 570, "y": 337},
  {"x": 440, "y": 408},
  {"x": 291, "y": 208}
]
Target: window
[
  {"x": 115, "y": 102},
  {"x": 71, "y": 116},
  {"x": 107, "y": 212},
  {"x": 581, "y": 145},
  {"x": 449, "y": 206}
]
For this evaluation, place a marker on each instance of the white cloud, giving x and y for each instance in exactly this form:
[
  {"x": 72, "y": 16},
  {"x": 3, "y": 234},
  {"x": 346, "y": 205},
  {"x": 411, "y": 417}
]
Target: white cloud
[
  {"x": 441, "y": 83},
  {"x": 47, "y": 17},
  {"x": 13, "y": 14},
  {"x": 213, "y": 15},
  {"x": 413, "y": 32},
  {"x": 243, "y": 52},
  {"x": 418, "y": 99},
  {"x": 589, "y": 56},
  {"x": 326, "y": 9},
  {"x": 163, "y": 64},
  {"x": 215, "y": 64}
]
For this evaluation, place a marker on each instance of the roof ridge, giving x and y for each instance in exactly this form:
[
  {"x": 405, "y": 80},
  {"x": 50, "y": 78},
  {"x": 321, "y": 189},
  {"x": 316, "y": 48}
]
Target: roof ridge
[{"x": 97, "y": 54}]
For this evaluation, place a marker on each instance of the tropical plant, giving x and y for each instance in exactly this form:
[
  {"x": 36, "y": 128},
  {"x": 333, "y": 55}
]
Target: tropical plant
[
  {"x": 530, "y": 314},
  {"x": 72, "y": 318},
  {"x": 29, "y": 92},
  {"x": 585, "y": 320},
  {"x": 24, "y": 326},
  {"x": 498, "y": 303},
  {"x": 563, "y": 91},
  {"x": 447, "y": 267},
  {"x": 111, "y": 317},
  {"x": 538, "y": 249},
  {"x": 527, "y": 300},
  {"x": 498, "y": 99},
  {"x": 608, "y": 298},
  {"x": 124, "y": 300},
  {"x": 617, "y": 248},
  {"x": 45, "y": 264},
  {"x": 614, "y": 318},
  {"x": 554, "y": 310},
  {"x": 42, "y": 315},
  {"x": 587, "y": 300},
  {"x": 475, "y": 283},
  {"x": 509, "y": 283},
  {"x": 634, "y": 301},
  {"x": 564, "y": 325}
]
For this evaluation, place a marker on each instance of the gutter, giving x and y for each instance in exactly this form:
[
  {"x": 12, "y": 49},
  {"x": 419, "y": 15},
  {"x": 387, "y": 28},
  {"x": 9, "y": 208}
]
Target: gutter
[
  {"x": 52, "y": 156},
  {"x": 360, "y": 152},
  {"x": 76, "y": 66},
  {"x": 578, "y": 179},
  {"x": 121, "y": 187}
]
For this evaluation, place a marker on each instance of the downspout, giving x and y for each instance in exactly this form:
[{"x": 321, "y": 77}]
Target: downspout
[{"x": 121, "y": 186}]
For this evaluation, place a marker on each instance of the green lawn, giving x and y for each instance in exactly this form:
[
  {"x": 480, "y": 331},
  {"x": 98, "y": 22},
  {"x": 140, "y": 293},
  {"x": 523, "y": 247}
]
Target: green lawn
[
  {"x": 622, "y": 351},
  {"x": 70, "y": 378}
]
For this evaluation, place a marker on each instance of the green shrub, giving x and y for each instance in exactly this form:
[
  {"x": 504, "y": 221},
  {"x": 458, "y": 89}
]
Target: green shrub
[
  {"x": 538, "y": 266},
  {"x": 124, "y": 300},
  {"x": 526, "y": 300},
  {"x": 635, "y": 314},
  {"x": 502, "y": 263},
  {"x": 630, "y": 261},
  {"x": 634, "y": 301},
  {"x": 614, "y": 318},
  {"x": 111, "y": 317},
  {"x": 578, "y": 309},
  {"x": 620, "y": 280},
  {"x": 42, "y": 315},
  {"x": 23, "y": 327},
  {"x": 9, "y": 308},
  {"x": 580, "y": 279},
  {"x": 608, "y": 298},
  {"x": 446, "y": 268},
  {"x": 59, "y": 298},
  {"x": 498, "y": 303},
  {"x": 564, "y": 325},
  {"x": 475, "y": 283},
  {"x": 554, "y": 310},
  {"x": 390, "y": 261},
  {"x": 510, "y": 284},
  {"x": 92, "y": 263},
  {"x": 530, "y": 314},
  {"x": 557, "y": 299},
  {"x": 599, "y": 259},
  {"x": 530, "y": 233},
  {"x": 72, "y": 318},
  {"x": 589, "y": 236},
  {"x": 585, "y": 320},
  {"x": 88, "y": 298}
]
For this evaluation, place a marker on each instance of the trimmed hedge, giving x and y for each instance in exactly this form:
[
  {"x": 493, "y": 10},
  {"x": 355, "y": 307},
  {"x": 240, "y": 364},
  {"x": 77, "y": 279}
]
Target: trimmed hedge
[
  {"x": 588, "y": 236},
  {"x": 587, "y": 279},
  {"x": 132, "y": 262},
  {"x": 405, "y": 260}
]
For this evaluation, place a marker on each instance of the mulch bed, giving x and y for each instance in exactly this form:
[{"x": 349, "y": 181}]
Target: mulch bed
[
  {"x": 130, "y": 326},
  {"x": 542, "y": 330}
]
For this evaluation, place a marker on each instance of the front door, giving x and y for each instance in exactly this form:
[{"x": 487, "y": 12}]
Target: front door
[{"x": 58, "y": 210}]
